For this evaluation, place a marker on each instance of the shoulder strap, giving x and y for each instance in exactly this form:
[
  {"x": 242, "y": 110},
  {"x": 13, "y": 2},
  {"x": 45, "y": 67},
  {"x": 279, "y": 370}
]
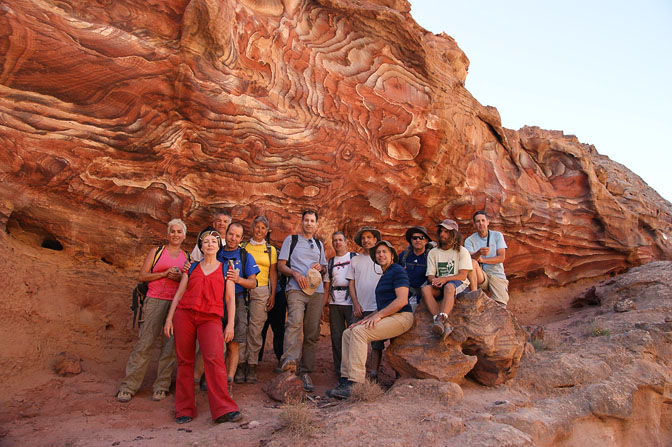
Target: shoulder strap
[
  {"x": 157, "y": 255},
  {"x": 295, "y": 240},
  {"x": 487, "y": 244},
  {"x": 269, "y": 248},
  {"x": 244, "y": 244},
  {"x": 193, "y": 266},
  {"x": 186, "y": 253},
  {"x": 404, "y": 256},
  {"x": 330, "y": 267}
]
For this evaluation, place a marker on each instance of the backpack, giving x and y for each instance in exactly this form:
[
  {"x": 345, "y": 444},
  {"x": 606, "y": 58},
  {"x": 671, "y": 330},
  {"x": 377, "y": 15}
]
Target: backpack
[
  {"x": 243, "y": 264},
  {"x": 140, "y": 290},
  {"x": 330, "y": 269},
  {"x": 284, "y": 279}
]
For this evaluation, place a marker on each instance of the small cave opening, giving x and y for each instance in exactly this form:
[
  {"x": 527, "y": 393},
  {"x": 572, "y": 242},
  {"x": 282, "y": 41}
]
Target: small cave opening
[
  {"x": 106, "y": 261},
  {"x": 52, "y": 244}
]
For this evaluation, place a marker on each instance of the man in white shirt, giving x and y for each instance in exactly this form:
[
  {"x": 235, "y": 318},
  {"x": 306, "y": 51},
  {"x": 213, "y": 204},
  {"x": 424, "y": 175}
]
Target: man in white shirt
[
  {"x": 221, "y": 223},
  {"x": 488, "y": 250}
]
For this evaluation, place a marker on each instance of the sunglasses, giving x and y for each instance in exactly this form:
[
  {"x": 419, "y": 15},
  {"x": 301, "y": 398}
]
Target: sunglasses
[{"x": 418, "y": 238}]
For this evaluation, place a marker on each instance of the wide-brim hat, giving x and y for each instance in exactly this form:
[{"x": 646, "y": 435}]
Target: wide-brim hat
[
  {"x": 417, "y": 229},
  {"x": 449, "y": 224},
  {"x": 358, "y": 236},
  {"x": 372, "y": 251},
  {"x": 314, "y": 279}
]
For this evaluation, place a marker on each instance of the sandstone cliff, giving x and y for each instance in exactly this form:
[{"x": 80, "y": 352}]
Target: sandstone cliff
[{"x": 117, "y": 116}]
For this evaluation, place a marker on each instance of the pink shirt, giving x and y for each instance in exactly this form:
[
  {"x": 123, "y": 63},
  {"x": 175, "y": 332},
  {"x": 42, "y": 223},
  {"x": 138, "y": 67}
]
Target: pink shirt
[{"x": 164, "y": 288}]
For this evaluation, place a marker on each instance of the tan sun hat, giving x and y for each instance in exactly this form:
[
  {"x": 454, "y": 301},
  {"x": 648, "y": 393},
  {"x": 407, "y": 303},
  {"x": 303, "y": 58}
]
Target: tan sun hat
[{"x": 314, "y": 279}]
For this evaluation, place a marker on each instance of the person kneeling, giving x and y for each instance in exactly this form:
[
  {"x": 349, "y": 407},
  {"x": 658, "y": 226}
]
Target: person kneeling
[{"x": 393, "y": 317}]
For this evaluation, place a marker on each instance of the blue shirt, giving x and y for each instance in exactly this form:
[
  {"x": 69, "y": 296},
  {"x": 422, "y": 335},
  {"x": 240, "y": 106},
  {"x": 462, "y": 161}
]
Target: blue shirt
[
  {"x": 250, "y": 269},
  {"x": 475, "y": 242},
  {"x": 395, "y": 276},
  {"x": 416, "y": 267}
]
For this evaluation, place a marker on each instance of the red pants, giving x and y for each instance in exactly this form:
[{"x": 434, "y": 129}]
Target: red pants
[{"x": 189, "y": 325}]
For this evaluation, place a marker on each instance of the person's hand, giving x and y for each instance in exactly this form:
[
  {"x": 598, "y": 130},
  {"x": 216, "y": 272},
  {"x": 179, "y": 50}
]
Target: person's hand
[
  {"x": 371, "y": 321},
  {"x": 301, "y": 280},
  {"x": 233, "y": 275},
  {"x": 168, "y": 327},
  {"x": 439, "y": 282},
  {"x": 228, "y": 333},
  {"x": 174, "y": 274},
  {"x": 357, "y": 308},
  {"x": 317, "y": 266},
  {"x": 484, "y": 251},
  {"x": 270, "y": 303},
  {"x": 186, "y": 266}
]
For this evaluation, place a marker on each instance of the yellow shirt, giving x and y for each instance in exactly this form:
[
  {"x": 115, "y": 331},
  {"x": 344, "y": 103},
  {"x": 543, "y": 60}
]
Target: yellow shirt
[{"x": 261, "y": 256}]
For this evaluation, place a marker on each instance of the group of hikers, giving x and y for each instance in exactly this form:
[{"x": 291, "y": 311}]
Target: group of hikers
[{"x": 221, "y": 298}]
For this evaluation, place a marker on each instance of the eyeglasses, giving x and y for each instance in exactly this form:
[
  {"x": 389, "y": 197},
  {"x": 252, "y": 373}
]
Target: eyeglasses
[
  {"x": 310, "y": 241},
  {"x": 418, "y": 238}
]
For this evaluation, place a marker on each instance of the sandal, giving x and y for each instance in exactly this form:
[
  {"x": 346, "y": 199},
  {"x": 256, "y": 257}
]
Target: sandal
[
  {"x": 159, "y": 395},
  {"x": 124, "y": 396}
]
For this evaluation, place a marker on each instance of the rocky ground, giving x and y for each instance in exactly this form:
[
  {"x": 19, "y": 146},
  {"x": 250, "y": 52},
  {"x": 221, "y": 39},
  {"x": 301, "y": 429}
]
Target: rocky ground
[{"x": 598, "y": 376}]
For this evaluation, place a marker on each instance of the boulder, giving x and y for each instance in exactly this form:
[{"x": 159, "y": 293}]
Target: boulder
[
  {"x": 286, "y": 387},
  {"x": 487, "y": 342},
  {"x": 67, "y": 365}
]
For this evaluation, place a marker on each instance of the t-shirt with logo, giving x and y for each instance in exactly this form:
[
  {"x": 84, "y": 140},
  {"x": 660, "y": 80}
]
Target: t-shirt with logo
[
  {"x": 448, "y": 262},
  {"x": 338, "y": 273}
]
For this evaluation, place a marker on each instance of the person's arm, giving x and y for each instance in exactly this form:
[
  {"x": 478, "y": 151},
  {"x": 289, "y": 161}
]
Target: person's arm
[
  {"x": 501, "y": 256},
  {"x": 273, "y": 278},
  {"x": 230, "y": 302},
  {"x": 356, "y": 307},
  {"x": 327, "y": 286},
  {"x": 300, "y": 279},
  {"x": 395, "y": 306},
  {"x": 168, "y": 325}
]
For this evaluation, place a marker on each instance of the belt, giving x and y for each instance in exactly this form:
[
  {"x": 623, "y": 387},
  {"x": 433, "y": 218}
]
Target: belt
[{"x": 339, "y": 288}]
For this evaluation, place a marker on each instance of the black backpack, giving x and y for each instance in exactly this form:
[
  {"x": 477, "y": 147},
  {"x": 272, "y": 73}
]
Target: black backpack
[
  {"x": 284, "y": 279},
  {"x": 140, "y": 291}
]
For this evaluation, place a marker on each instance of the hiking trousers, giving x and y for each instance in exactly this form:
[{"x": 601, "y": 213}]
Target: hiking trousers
[
  {"x": 259, "y": 297},
  {"x": 191, "y": 325},
  {"x": 356, "y": 339},
  {"x": 304, "y": 312},
  {"x": 155, "y": 311},
  {"x": 340, "y": 317}
]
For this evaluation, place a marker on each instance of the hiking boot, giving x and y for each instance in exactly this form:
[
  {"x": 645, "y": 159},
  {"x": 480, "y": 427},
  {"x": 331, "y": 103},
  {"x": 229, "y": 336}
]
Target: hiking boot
[
  {"x": 307, "y": 383},
  {"x": 288, "y": 365},
  {"x": 251, "y": 374},
  {"x": 240, "y": 373},
  {"x": 183, "y": 419},
  {"x": 438, "y": 324},
  {"x": 159, "y": 395},
  {"x": 341, "y": 382},
  {"x": 278, "y": 368},
  {"x": 124, "y": 397},
  {"x": 342, "y": 391},
  {"x": 231, "y": 416}
]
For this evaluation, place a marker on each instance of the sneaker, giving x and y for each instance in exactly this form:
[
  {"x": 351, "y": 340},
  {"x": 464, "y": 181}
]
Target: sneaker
[
  {"x": 124, "y": 396},
  {"x": 183, "y": 419},
  {"x": 288, "y": 365},
  {"x": 307, "y": 383},
  {"x": 159, "y": 395},
  {"x": 342, "y": 391},
  {"x": 278, "y": 368},
  {"x": 240, "y": 373},
  {"x": 232, "y": 416},
  {"x": 251, "y": 374},
  {"x": 447, "y": 330},
  {"x": 438, "y": 324}
]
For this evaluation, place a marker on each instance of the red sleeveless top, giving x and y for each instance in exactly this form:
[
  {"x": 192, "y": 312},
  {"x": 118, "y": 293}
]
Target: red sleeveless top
[{"x": 205, "y": 293}]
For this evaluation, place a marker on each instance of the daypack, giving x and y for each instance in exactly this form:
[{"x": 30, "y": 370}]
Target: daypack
[
  {"x": 140, "y": 291},
  {"x": 243, "y": 264},
  {"x": 295, "y": 240},
  {"x": 330, "y": 270}
]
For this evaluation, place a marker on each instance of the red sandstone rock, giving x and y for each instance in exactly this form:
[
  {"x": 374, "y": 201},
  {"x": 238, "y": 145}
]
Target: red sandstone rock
[
  {"x": 487, "y": 342},
  {"x": 286, "y": 387},
  {"x": 132, "y": 113},
  {"x": 67, "y": 365}
]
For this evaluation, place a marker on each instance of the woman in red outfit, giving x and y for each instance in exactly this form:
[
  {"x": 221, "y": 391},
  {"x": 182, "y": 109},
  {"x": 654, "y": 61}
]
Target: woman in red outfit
[{"x": 196, "y": 313}]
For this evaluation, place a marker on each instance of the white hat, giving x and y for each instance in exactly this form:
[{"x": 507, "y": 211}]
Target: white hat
[{"x": 314, "y": 279}]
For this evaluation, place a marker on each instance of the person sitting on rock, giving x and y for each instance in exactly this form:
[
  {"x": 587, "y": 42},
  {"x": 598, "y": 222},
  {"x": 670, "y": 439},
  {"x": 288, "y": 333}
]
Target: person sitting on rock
[
  {"x": 488, "y": 250},
  {"x": 163, "y": 276},
  {"x": 448, "y": 266},
  {"x": 414, "y": 260},
  {"x": 196, "y": 314},
  {"x": 363, "y": 277},
  {"x": 393, "y": 317}
]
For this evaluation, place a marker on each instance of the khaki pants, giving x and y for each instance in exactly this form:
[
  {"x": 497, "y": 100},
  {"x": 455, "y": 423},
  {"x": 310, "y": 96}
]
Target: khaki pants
[
  {"x": 257, "y": 317},
  {"x": 356, "y": 339},
  {"x": 303, "y": 312},
  {"x": 155, "y": 312},
  {"x": 498, "y": 288}
]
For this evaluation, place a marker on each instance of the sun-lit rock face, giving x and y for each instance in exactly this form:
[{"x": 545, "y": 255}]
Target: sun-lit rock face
[{"x": 117, "y": 116}]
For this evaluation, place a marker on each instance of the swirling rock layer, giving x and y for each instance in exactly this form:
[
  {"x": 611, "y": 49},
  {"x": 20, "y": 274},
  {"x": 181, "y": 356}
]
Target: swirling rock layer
[{"x": 127, "y": 114}]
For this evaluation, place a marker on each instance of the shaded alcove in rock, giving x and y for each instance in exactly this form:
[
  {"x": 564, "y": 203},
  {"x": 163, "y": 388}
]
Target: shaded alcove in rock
[{"x": 25, "y": 228}]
